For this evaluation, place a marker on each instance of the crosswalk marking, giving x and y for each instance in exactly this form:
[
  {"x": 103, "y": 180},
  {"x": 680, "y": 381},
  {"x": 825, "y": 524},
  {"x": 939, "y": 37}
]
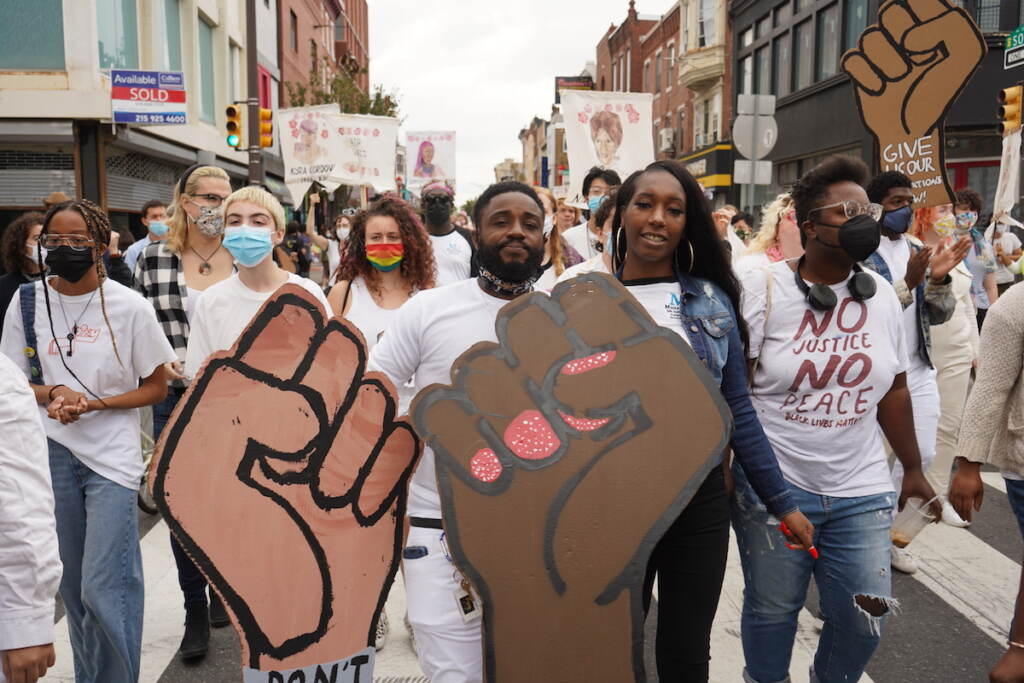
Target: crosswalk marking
[{"x": 995, "y": 480}]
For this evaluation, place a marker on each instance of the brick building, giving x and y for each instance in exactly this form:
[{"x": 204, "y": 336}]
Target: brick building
[
  {"x": 660, "y": 78},
  {"x": 352, "y": 41},
  {"x": 619, "y": 52},
  {"x": 310, "y": 30},
  {"x": 535, "y": 161}
]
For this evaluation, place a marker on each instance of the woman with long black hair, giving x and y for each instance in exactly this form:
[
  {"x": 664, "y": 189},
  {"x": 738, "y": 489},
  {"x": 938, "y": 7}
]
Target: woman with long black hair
[
  {"x": 93, "y": 352},
  {"x": 668, "y": 254}
]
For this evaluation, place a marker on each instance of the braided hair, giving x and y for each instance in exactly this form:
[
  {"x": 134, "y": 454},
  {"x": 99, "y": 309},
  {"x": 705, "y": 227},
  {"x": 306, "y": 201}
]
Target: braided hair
[{"x": 98, "y": 224}]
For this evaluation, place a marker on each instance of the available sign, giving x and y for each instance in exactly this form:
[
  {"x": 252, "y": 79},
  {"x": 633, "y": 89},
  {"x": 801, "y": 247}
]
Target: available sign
[
  {"x": 1014, "y": 52},
  {"x": 148, "y": 97}
]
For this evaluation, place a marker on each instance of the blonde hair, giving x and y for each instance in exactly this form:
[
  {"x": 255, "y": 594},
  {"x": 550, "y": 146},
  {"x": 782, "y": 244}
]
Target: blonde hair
[
  {"x": 261, "y": 198},
  {"x": 771, "y": 215},
  {"x": 545, "y": 192},
  {"x": 177, "y": 234}
]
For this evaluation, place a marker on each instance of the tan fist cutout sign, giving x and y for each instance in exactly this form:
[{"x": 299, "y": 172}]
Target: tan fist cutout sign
[
  {"x": 563, "y": 453},
  {"x": 283, "y": 473},
  {"x": 907, "y": 71}
]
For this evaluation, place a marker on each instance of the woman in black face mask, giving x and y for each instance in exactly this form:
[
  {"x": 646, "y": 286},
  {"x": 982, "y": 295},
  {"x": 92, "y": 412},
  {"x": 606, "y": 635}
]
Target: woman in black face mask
[
  {"x": 829, "y": 363},
  {"x": 93, "y": 353}
]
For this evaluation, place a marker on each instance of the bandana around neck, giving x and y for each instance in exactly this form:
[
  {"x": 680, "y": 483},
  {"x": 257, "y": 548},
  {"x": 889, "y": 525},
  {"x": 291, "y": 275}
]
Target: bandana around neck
[{"x": 496, "y": 285}]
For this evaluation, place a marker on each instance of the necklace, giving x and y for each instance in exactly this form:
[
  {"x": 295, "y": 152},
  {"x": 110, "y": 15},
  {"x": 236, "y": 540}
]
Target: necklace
[
  {"x": 204, "y": 266},
  {"x": 74, "y": 328},
  {"x": 494, "y": 284}
]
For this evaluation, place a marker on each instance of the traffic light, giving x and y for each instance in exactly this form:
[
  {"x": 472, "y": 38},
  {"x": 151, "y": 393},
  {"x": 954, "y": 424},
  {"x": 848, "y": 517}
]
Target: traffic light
[
  {"x": 234, "y": 125},
  {"x": 266, "y": 128},
  {"x": 1009, "y": 112}
]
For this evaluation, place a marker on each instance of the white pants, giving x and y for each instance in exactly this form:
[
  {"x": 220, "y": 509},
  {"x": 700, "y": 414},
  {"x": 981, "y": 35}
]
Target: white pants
[
  {"x": 450, "y": 650},
  {"x": 924, "y": 398},
  {"x": 954, "y": 384}
]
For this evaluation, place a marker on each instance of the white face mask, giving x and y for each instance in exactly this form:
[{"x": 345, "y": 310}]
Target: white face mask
[
  {"x": 549, "y": 224},
  {"x": 30, "y": 252}
]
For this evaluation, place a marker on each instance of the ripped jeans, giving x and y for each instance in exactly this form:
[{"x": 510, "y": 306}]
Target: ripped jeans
[{"x": 852, "y": 574}]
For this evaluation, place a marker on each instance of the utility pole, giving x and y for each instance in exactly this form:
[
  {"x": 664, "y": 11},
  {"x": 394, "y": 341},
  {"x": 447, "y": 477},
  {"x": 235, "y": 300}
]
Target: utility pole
[{"x": 252, "y": 99}]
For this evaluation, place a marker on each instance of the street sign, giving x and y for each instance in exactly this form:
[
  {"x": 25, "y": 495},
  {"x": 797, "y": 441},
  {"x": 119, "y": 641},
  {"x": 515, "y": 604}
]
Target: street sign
[
  {"x": 755, "y": 105},
  {"x": 1013, "y": 54},
  {"x": 755, "y": 136},
  {"x": 746, "y": 172},
  {"x": 148, "y": 97}
]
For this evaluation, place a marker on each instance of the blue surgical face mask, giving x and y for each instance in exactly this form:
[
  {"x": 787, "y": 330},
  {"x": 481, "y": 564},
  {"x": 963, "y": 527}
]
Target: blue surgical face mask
[
  {"x": 158, "y": 228},
  {"x": 594, "y": 203},
  {"x": 247, "y": 244},
  {"x": 899, "y": 220}
]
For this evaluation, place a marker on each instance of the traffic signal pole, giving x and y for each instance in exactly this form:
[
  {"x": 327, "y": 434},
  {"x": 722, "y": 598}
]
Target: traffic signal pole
[{"x": 252, "y": 100}]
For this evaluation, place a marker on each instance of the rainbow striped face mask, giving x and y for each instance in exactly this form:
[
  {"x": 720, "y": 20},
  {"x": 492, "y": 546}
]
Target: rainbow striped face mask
[{"x": 385, "y": 257}]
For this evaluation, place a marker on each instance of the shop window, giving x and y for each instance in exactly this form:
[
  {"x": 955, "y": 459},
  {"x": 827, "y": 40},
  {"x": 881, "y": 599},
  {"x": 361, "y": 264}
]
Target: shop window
[
  {"x": 783, "y": 13},
  {"x": 39, "y": 41},
  {"x": 763, "y": 66},
  {"x": 117, "y": 24},
  {"x": 803, "y": 55},
  {"x": 783, "y": 65},
  {"x": 828, "y": 42},
  {"x": 172, "y": 35},
  {"x": 207, "y": 99},
  {"x": 856, "y": 22}
]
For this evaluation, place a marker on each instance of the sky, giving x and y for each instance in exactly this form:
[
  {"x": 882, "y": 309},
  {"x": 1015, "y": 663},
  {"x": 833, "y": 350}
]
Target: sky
[{"x": 484, "y": 68}]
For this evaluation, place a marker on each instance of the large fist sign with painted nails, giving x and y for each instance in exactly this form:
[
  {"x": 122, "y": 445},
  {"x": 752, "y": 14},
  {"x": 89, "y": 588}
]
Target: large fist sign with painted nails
[
  {"x": 563, "y": 453},
  {"x": 907, "y": 71},
  {"x": 283, "y": 474}
]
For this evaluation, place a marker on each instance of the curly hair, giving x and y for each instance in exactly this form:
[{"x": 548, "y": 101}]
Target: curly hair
[
  {"x": 771, "y": 215},
  {"x": 608, "y": 122},
  {"x": 13, "y": 248},
  {"x": 970, "y": 198},
  {"x": 417, "y": 266}
]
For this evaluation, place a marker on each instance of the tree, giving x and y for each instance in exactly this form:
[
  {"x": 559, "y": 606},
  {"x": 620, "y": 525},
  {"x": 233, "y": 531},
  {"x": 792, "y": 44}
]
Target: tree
[
  {"x": 468, "y": 205},
  {"x": 329, "y": 85}
]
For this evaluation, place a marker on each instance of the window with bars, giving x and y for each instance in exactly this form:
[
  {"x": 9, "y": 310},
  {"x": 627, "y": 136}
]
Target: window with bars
[{"x": 987, "y": 14}]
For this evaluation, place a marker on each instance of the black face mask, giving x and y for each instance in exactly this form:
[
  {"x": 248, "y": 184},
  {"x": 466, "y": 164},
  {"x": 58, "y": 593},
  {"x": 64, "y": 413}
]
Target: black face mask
[
  {"x": 859, "y": 237},
  {"x": 68, "y": 263},
  {"x": 512, "y": 272},
  {"x": 437, "y": 211}
]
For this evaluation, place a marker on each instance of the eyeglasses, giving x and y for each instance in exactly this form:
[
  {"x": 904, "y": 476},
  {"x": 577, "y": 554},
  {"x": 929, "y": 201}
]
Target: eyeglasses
[
  {"x": 76, "y": 242},
  {"x": 853, "y": 208},
  {"x": 214, "y": 200}
]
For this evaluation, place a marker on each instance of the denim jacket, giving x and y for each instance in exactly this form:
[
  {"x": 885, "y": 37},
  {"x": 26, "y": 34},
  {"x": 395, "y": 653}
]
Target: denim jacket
[
  {"x": 710, "y": 324},
  {"x": 935, "y": 303}
]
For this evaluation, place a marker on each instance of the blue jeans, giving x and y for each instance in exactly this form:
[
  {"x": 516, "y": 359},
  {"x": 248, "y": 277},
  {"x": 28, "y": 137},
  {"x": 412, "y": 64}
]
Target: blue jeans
[
  {"x": 191, "y": 580},
  {"x": 102, "y": 589},
  {"x": 1015, "y": 492},
  {"x": 852, "y": 574}
]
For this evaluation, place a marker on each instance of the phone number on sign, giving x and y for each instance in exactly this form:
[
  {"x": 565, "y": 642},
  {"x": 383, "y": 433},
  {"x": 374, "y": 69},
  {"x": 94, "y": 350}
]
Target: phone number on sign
[{"x": 159, "y": 118}]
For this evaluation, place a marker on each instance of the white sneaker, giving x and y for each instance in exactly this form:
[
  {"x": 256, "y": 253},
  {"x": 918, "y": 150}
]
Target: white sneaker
[
  {"x": 381, "y": 636},
  {"x": 902, "y": 561},
  {"x": 950, "y": 516}
]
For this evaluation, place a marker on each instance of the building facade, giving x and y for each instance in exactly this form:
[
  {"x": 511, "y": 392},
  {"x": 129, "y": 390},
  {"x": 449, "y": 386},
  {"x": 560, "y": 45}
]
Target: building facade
[
  {"x": 534, "y": 139},
  {"x": 352, "y": 41},
  {"x": 659, "y": 76},
  {"x": 509, "y": 169},
  {"x": 792, "y": 49},
  {"x": 306, "y": 43},
  {"x": 619, "y": 52}
]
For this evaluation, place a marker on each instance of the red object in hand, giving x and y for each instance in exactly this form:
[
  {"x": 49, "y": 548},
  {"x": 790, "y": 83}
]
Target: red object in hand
[{"x": 785, "y": 530}]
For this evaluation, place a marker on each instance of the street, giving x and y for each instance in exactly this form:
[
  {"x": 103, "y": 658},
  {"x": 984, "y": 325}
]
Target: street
[{"x": 951, "y": 624}]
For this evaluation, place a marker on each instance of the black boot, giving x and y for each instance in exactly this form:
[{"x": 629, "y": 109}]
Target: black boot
[
  {"x": 196, "y": 641},
  {"x": 218, "y": 615}
]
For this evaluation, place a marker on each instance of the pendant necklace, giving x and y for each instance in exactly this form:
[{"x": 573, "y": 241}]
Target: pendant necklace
[
  {"x": 204, "y": 265},
  {"x": 73, "y": 328}
]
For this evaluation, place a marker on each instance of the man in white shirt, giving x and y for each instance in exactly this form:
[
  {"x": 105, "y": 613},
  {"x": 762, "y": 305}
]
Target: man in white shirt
[
  {"x": 29, "y": 561},
  {"x": 585, "y": 237},
  {"x": 454, "y": 247},
  {"x": 1007, "y": 248},
  {"x": 154, "y": 217},
  {"x": 254, "y": 225},
  {"x": 425, "y": 338}
]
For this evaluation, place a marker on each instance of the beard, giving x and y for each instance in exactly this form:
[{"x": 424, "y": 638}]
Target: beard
[{"x": 513, "y": 272}]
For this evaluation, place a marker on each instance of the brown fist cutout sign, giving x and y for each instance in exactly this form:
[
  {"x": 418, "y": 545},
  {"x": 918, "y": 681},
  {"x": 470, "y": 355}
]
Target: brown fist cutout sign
[
  {"x": 283, "y": 474},
  {"x": 907, "y": 71},
  {"x": 563, "y": 453}
]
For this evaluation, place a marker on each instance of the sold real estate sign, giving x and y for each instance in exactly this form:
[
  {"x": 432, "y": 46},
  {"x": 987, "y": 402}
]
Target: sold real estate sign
[{"x": 148, "y": 97}]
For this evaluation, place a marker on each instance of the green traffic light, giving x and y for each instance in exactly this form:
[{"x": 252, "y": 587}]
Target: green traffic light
[{"x": 233, "y": 140}]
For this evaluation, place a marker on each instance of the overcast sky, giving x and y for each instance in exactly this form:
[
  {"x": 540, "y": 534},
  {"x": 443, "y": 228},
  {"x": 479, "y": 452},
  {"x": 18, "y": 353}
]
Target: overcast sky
[{"x": 484, "y": 68}]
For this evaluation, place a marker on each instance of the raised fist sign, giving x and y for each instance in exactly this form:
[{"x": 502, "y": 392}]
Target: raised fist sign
[
  {"x": 563, "y": 453},
  {"x": 907, "y": 71},
  {"x": 283, "y": 474}
]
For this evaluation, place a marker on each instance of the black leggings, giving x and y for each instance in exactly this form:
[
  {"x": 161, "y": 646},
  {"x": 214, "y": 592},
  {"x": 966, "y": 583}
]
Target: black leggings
[{"x": 690, "y": 563}]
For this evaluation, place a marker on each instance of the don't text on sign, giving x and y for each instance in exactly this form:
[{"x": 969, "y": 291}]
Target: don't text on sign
[{"x": 148, "y": 97}]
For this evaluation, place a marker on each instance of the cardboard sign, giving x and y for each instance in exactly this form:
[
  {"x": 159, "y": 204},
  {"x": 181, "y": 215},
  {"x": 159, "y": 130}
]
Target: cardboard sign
[
  {"x": 429, "y": 155},
  {"x": 283, "y": 473},
  {"x": 560, "y": 465},
  {"x": 907, "y": 71}
]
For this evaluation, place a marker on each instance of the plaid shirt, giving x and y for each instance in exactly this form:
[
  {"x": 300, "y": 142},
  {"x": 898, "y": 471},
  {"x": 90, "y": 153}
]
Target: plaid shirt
[{"x": 160, "y": 278}]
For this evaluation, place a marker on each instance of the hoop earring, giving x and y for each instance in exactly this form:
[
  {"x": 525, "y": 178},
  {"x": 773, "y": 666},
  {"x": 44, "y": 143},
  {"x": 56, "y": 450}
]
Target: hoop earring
[
  {"x": 689, "y": 268},
  {"x": 620, "y": 254}
]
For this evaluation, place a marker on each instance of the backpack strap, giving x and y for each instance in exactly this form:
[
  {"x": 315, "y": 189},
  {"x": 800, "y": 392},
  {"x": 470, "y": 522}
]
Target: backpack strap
[
  {"x": 474, "y": 267},
  {"x": 28, "y": 322}
]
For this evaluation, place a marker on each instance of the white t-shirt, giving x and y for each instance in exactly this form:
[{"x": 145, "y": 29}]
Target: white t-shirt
[
  {"x": 333, "y": 258},
  {"x": 422, "y": 342},
  {"x": 819, "y": 379},
  {"x": 223, "y": 313},
  {"x": 191, "y": 301},
  {"x": 1010, "y": 243},
  {"x": 453, "y": 256},
  {"x": 106, "y": 441},
  {"x": 663, "y": 300},
  {"x": 751, "y": 261},
  {"x": 896, "y": 254},
  {"x": 591, "y": 265},
  {"x": 582, "y": 240}
]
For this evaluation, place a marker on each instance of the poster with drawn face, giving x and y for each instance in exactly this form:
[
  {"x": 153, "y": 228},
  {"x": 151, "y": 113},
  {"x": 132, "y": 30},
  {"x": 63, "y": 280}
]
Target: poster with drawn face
[
  {"x": 610, "y": 130},
  {"x": 429, "y": 155},
  {"x": 320, "y": 145}
]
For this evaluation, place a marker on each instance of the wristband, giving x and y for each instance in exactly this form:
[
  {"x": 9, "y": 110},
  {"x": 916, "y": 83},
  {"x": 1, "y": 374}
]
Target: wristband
[
  {"x": 49, "y": 395},
  {"x": 1012, "y": 643}
]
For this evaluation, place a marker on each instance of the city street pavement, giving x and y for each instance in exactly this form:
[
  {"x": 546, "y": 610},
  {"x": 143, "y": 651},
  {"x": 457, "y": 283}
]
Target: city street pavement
[{"x": 951, "y": 625}]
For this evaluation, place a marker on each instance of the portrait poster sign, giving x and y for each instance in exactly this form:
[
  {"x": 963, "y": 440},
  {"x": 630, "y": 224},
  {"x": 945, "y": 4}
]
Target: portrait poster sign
[
  {"x": 296, "y": 523},
  {"x": 907, "y": 71},
  {"x": 606, "y": 129},
  {"x": 560, "y": 466},
  {"x": 429, "y": 155}
]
